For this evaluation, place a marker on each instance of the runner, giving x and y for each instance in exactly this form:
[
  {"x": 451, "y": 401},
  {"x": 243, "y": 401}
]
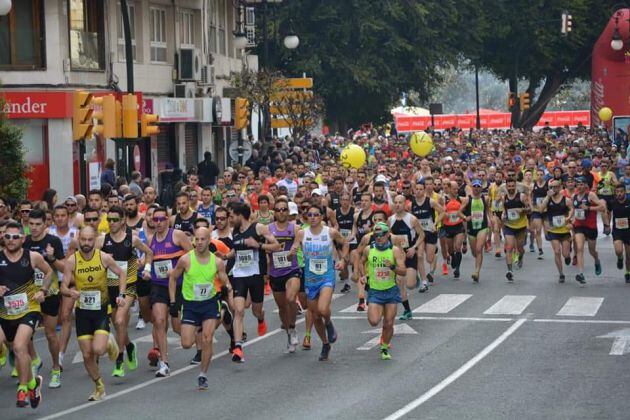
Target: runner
[
  {"x": 516, "y": 207},
  {"x": 247, "y": 277},
  {"x": 143, "y": 287},
  {"x": 201, "y": 305},
  {"x": 317, "y": 243},
  {"x": 540, "y": 188},
  {"x": 185, "y": 218},
  {"x": 605, "y": 191},
  {"x": 497, "y": 212},
  {"x": 21, "y": 310},
  {"x": 620, "y": 211},
  {"x": 87, "y": 270},
  {"x": 344, "y": 217},
  {"x": 559, "y": 211},
  {"x": 476, "y": 211},
  {"x": 362, "y": 226},
  {"x": 382, "y": 267},
  {"x": 453, "y": 227},
  {"x": 123, "y": 244}
]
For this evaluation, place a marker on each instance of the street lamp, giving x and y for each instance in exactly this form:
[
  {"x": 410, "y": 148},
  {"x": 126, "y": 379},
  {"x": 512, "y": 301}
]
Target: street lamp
[
  {"x": 617, "y": 42},
  {"x": 240, "y": 41},
  {"x": 291, "y": 41},
  {"x": 5, "y": 7}
]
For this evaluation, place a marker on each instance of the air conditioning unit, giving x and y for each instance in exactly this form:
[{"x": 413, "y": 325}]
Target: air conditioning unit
[
  {"x": 184, "y": 90},
  {"x": 189, "y": 64},
  {"x": 207, "y": 76}
]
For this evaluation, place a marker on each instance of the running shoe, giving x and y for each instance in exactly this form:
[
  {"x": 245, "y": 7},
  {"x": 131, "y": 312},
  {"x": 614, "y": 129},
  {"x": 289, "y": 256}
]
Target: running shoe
[
  {"x": 237, "y": 355},
  {"x": 627, "y": 277},
  {"x": 620, "y": 263},
  {"x": 598, "y": 268},
  {"x": 55, "y": 379},
  {"x": 290, "y": 346},
  {"x": 406, "y": 316},
  {"x": 509, "y": 275},
  {"x": 3, "y": 355},
  {"x": 36, "y": 366},
  {"x": 561, "y": 278},
  {"x": 244, "y": 337},
  {"x": 475, "y": 277},
  {"x": 140, "y": 325},
  {"x": 21, "y": 398},
  {"x": 580, "y": 278},
  {"x": 385, "y": 353},
  {"x": 567, "y": 260},
  {"x": 519, "y": 262},
  {"x": 444, "y": 269},
  {"x": 132, "y": 357},
  {"x": 456, "y": 273},
  {"x": 540, "y": 254},
  {"x": 196, "y": 358},
  {"x": 331, "y": 333},
  {"x": 424, "y": 288},
  {"x": 202, "y": 383},
  {"x": 14, "y": 372},
  {"x": 112, "y": 348},
  {"x": 606, "y": 230},
  {"x": 99, "y": 391},
  {"x": 227, "y": 314},
  {"x": 323, "y": 356},
  {"x": 346, "y": 288},
  {"x": 300, "y": 310},
  {"x": 163, "y": 371},
  {"x": 574, "y": 261},
  {"x": 430, "y": 277},
  {"x": 154, "y": 356},
  {"x": 119, "y": 369},
  {"x": 267, "y": 289},
  {"x": 531, "y": 247},
  {"x": 293, "y": 338},
  {"x": 464, "y": 247},
  {"x": 361, "y": 307},
  {"x": 497, "y": 254},
  {"x": 35, "y": 394},
  {"x": 262, "y": 328},
  {"x": 306, "y": 343}
]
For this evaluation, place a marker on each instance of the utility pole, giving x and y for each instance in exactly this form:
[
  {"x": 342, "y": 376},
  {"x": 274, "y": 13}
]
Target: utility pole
[
  {"x": 477, "y": 95},
  {"x": 122, "y": 146}
]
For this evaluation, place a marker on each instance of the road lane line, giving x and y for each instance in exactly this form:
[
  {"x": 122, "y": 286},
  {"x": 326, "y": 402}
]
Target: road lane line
[
  {"x": 438, "y": 318},
  {"x": 126, "y": 391},
  {"x": 510, "y": 305},
  {"x": 581, "y": 306},
  {"x": 582, "y": 321},
  {"x": 442, "y": 304},
  {"x": 457, "y": 374}
]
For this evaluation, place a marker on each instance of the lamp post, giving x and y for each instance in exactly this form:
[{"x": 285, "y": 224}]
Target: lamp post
[
  {"x": 5, "y": 7},
  {"x": 616, "y": 41}
]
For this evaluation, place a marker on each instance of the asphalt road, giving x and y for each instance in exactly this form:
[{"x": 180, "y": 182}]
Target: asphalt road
[{"x": 532, "y": 349}]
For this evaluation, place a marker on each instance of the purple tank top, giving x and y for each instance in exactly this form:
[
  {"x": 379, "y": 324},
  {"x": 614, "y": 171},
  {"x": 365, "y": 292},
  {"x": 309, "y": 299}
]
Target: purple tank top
[
  {"x": 165, "y": 257},
  {"x": 280, "y": 265}
]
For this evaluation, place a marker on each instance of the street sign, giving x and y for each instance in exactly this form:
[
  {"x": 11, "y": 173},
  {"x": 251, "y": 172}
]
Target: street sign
[
  {"x": 620, "y": 345},
  {"x": 247, "y": 151},
  {"x": 399, "y": 329}
]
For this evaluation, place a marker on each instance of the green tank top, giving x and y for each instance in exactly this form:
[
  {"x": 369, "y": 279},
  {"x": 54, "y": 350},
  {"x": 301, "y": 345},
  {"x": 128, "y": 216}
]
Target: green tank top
[
  {"x": 299, "y": 254},
  {"x": 477, "y": 212},
  {"x": 198, "y": 282},
  {"x": 265, "y": 220},
  {"x": 380, "y": 275}
]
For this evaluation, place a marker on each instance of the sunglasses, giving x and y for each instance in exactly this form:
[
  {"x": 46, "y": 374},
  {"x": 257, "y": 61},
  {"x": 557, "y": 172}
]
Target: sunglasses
[
  {"x": 14, "y": 236},
  {"x": 220, "y": 218},
  {"x": 70, "y": 205},
  {"x": 282, "y": 209},
  {"x": 25, "y": 211},
  {"x": 160, "y": 219},
  {"x": 91, "y": 219},
  {"x": 114, "y": 219},
  {"x": 379, "y": 234},
  {"x": 313, "y": 214}
]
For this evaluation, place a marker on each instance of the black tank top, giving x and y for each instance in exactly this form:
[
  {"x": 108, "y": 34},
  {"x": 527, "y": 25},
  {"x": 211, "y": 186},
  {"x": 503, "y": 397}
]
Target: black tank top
[
  {"x": 138, "y": 225},
  {"x": 121, "y": 251},
  {"x": 557, "y": 209},
  {"x": 186, "y": 225},
  {"x": 18, "y": 275},
  {"x": 335, "y": 200},
  {"x": 345, "y": 221},
  {"x": 364, "y": 225},
  {"x": 238, "y": 241},
  {"x": 539, "y": 193},
  {"x": 400, "y": 227}
]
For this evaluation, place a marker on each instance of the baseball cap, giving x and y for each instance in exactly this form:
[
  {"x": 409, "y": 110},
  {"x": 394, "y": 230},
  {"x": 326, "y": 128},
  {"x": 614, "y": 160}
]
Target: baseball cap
[
  {"x": 71, "y": 198},
  {"x": 381, "y": 227},
  {"x": 586, "y": 163},
  {"x": 317, "y": 191},
  {"x": 476, "y": 183},
  {"x": 310, "y": 174},
  {"x": 293, "y": 209}
]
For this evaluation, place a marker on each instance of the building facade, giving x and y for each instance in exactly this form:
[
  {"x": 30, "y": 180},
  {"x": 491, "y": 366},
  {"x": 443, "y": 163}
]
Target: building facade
[{"x": 183, "y": 52}]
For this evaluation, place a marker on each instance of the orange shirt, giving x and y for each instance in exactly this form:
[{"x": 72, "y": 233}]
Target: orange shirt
[{"x": 223, "y": 250}]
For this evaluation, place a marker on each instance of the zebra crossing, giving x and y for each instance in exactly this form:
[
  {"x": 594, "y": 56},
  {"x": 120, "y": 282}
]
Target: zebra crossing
[{"x": 445, "y": 303}]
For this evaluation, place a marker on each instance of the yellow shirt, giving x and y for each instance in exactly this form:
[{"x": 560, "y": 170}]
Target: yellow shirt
[
  {"x": 90, "y": 278},
  {"x": 103, "y": 225}
]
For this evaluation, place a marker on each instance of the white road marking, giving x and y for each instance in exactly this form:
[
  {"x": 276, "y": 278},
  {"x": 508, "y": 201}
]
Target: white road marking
[
  {"x": 621, "y": 341},
  {"x": 583, "y": 321},
  {"x": 581, "y": 306},
  {"x": 78, "y": 358},
  {"x": 399, "y": 329},
  {"x": 442, "y": 304},
  {"x": 154, "y": 380},
  {"x": 457, "y": 374},
  {"x": 510, "y": 305},
  {"x": 436, "y": 318},
  {"x": 334, "y": 296}
]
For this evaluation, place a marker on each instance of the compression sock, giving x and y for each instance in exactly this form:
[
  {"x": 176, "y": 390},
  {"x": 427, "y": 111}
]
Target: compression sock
[{"x": 405, "y": 304}]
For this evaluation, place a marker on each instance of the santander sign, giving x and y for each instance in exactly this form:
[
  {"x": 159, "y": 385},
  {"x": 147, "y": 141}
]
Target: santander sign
[{"x": 42, "y": 104}]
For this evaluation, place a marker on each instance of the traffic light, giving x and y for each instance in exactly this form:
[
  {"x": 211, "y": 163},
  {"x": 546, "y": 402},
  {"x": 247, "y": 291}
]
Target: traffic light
[
  {"x": 241, "y": 113},
  {"x": 511, "y": 100},
  {"x": 147, "y": 127},
  {"x": 81, "y": 115},
  {"x": 524, "y": 97},
  {"x": 130, "y": 116},
  {"x": 107, "y": 121},
  {"x": 567, "y": 23}
]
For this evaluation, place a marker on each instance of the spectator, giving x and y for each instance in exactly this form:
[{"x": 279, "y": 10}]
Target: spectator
[
  {"x": 50, "y": 198},
  {"x": 207, "y": 171},
  {"x": 134, "y": 185},
  {"x": 108, "y": 176}
]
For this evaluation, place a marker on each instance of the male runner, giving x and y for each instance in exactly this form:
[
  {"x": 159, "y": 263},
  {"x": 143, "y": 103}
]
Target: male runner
[
  {"x": 558, "y": 210},
  {"x": 516, "y": 206},
  {"x": 344, "y": 216},
  {"x": 476, "y": 209},
  {"x": 619, "y": 209},
  {"x": 185, "y": 217}
]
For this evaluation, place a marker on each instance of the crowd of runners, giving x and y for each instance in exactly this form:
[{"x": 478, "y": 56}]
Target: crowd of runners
[{"x": 296, "y": 224}]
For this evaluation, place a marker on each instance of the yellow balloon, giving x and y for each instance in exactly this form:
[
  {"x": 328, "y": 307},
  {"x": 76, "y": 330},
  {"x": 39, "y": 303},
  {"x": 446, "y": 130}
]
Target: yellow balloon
[
  {"x": 421, "y": 143},
  {"x": 353, "y": 156},
  {"x": 605, "y": 114}
]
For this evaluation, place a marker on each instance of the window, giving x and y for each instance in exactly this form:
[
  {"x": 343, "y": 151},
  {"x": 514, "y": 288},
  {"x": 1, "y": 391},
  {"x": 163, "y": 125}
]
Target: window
[
  {"x": 121, "y": 32},
  {"x": 212, "y": 30},
  {"x": 250, "y": 26},
  {"x": 158, "y": 35},
  {"x": 186, "y": 28},
  {"x": 87, "y": 40},
  {"x": 22, "y": 37},
  {"x": 221, "y": 20}
]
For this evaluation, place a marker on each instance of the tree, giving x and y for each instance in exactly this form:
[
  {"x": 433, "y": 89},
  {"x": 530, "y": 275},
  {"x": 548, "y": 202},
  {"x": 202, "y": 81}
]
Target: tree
[
  {"x": 13, "y": 166},
  {"x": 301, "y": 111}
]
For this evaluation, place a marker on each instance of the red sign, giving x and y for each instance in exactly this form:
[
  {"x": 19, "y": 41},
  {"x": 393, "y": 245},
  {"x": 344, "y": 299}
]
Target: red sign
[
  {"x": 498, "y": 120},
  {"x": 42, "y": 104},
  {"x": 147, "y": 106}
]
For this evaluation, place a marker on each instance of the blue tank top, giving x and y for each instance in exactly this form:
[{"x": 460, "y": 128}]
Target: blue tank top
[{"x": 318, "y": 256}]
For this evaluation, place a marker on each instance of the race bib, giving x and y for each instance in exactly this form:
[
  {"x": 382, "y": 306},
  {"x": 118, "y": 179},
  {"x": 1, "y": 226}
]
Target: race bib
[
  {"x": 345, "y": 233},
  {"x": 427, "y": 224},
  {"x": 453, "y": 217},
  {"x": 606, "y": 191},
  {"x": 382, "y": 273},
  {"x": 162, "y": 268},
  {"x": 580, "y": 214},
  {"x": 245, "y": 258},
  {"x": 16, "y": 304},
  {"x": 90, "y": 300},
  {"x": 539, "y": 201},
  {"x": 558, "y": 221},
  {"x": 513, "y": 215},
  {"x": 281, "y": 259},
  {"x": 318, "y": 266},
  {"x": 38, "y": 278},
  {"x": 476, "y": 216},
  {"x": 123, "y": 265},
  {"x": 202, "y": 291},
  {"x": 621, "y": 223},
  {"x": 496, "y": 205}
]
